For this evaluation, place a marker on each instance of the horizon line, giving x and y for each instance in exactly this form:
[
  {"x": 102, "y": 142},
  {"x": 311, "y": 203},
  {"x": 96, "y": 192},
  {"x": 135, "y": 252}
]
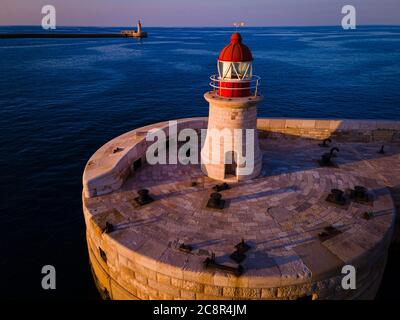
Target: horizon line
[{"x": 198, "y": 26}]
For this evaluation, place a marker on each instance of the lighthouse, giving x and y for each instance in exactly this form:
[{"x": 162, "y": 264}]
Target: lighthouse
[{"x": 231, "y": 150}]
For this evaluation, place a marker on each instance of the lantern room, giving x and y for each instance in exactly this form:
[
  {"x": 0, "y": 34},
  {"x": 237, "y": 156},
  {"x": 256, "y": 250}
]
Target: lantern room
[{"x": 235, "y": 70}]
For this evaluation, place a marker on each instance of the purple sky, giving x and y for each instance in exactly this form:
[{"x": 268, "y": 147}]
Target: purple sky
[{"x": 198, "y": 12}]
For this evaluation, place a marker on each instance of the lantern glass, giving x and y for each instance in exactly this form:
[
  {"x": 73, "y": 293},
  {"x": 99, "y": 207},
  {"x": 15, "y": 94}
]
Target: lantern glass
[
  {"x": 234, "y": 70},
  {"x": 242, "y": 69},
  {"x": 224, "y": 69}
]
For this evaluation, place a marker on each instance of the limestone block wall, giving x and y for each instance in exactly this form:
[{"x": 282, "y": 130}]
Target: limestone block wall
[
  {"x": 107, "y": 170},
  {"x": 340, "y": 130},
  {"x": 225, "y": 120}
]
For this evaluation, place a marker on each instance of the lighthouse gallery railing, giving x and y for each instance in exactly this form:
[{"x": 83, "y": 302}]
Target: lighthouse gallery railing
[{"x": 253, "y": 82}]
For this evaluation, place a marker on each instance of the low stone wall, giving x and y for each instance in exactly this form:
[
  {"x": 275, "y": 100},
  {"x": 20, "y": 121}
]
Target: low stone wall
[
  {"x": 107, "y": 170},
  {"x": 340, "y": 130}
]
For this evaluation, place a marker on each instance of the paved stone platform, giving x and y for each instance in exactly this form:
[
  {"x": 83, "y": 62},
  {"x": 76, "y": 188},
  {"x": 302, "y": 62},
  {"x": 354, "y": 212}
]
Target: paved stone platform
[{"x": 279, "y": 214}]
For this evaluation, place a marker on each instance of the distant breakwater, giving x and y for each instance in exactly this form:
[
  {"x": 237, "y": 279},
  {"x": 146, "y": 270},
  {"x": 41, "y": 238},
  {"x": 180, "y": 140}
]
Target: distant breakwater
[{"x": 60, "y": 35}]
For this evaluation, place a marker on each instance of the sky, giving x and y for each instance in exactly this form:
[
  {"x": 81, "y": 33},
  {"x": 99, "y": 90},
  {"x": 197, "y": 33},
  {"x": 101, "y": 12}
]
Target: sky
[{"x": 187, "y": 13}]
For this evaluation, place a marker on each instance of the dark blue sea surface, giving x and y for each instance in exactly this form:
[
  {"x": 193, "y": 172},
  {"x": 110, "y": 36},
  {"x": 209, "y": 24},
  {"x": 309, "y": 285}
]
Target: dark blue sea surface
[{"x": 61, "y": 99}]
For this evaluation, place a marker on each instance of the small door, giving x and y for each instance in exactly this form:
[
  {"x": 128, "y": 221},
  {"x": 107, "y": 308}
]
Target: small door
[{"x": 230, "y": 164}]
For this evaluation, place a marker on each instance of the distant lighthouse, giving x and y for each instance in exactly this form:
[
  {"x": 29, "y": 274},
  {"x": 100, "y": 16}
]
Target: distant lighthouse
[
  {"x": 135, "y": 34},
  {"x": 233, "y": 105}
]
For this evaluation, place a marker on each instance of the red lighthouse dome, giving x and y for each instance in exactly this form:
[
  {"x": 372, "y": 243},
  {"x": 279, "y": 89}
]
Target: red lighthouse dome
[
  {"x": 235, "y": 70},
  {"x": 236, "y": 51}
]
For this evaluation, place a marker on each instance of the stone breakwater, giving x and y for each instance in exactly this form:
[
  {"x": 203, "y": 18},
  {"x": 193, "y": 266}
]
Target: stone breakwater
[
  {"x": 56, "y": 35},
  {"x": 280, "y": 214}
]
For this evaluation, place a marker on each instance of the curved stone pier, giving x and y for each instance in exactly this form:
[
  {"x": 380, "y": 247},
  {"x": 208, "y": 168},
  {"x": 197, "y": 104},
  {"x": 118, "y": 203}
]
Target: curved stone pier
[{"x": 298, "y": 241}]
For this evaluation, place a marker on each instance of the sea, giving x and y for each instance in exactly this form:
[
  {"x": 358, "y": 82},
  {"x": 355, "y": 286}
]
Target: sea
[{"x": 62, "y": 99}]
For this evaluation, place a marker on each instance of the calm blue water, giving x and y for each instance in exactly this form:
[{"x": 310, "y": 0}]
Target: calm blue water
[{"x": 61, "y": 99}]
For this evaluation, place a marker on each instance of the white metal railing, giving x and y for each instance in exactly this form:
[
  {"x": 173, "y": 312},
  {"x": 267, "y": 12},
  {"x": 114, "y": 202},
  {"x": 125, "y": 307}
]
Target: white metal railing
[{"x": 253, "y": 82}]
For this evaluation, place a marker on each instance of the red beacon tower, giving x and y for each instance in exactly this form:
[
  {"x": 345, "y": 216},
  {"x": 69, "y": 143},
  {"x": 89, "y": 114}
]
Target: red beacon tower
[
  {"x": 235, "y": 70},
  {"x": 232, "y": 105}
]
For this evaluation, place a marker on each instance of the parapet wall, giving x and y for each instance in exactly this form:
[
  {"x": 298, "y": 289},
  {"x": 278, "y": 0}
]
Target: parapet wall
[
  {"x": 109, "y": 167},
  {"x": 107, "y": 170},
  {"x": 340, "y": 130}
]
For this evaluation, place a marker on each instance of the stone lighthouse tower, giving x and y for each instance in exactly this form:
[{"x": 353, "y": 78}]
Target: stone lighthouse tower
[{"x": 231, "y": 149}]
